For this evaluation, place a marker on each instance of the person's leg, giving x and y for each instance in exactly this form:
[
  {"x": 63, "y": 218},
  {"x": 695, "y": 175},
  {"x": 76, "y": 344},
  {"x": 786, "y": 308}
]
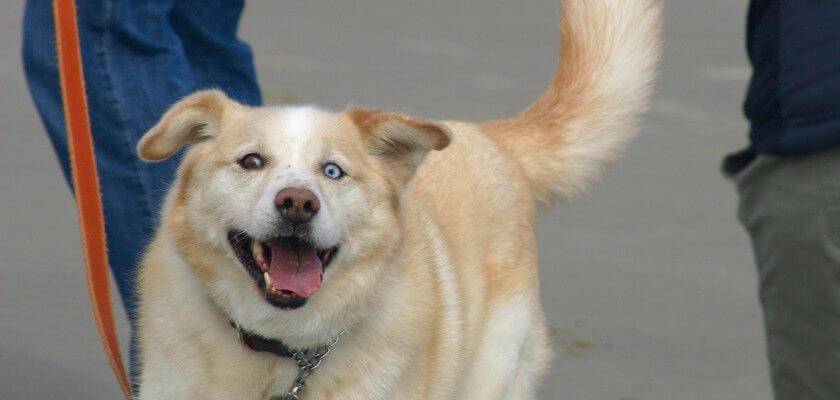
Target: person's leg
[
  {"x": 791, "y": 209},
  {"x": 135, "y": 68},
  {"x": 217, "y": 57},
  {"x": 131, "y": 78}
]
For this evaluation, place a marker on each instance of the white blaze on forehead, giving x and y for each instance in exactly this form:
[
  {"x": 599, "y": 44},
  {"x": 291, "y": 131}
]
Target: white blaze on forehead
[{"x": 297, "y": 125}]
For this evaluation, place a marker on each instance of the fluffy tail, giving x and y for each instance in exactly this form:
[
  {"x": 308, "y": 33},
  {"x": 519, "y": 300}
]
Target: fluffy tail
[{"x": 609, "y": 50}]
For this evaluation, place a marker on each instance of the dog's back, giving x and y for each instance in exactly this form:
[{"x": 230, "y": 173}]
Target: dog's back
[{"x": 485, "y": 187}]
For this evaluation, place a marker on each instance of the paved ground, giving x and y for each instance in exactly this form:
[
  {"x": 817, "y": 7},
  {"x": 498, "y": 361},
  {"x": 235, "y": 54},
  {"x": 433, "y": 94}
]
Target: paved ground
[{"x": 648, "y": 281}]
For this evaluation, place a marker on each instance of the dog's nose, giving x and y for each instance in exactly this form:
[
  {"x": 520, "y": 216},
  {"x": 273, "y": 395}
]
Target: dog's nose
[{"x": 297, "y": 205}]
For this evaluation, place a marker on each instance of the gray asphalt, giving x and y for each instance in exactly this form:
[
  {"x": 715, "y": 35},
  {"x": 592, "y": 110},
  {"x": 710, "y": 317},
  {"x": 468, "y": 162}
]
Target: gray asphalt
[{"x": 648, "y": 281}]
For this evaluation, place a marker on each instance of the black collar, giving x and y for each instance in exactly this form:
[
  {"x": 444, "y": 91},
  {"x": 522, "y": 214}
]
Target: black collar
[{"x": 259, "y": 343}]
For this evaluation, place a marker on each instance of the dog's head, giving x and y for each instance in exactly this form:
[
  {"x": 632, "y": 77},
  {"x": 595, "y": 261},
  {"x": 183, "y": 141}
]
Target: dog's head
[{"x": 286, "y": 210}]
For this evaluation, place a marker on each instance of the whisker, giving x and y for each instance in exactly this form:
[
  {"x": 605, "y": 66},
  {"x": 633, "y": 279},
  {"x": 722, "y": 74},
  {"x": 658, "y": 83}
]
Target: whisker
[{"x": 239, "y": 237}]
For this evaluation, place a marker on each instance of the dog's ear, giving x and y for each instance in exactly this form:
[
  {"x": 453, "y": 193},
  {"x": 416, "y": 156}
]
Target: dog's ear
[
  {"x": 400, "y": 140},
  {"x": 195, "y": 118}
]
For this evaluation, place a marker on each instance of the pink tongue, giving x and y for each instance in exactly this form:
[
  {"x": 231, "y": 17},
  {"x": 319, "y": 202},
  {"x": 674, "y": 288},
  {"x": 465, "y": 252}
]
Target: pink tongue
[{"x": 297, "y": 271}]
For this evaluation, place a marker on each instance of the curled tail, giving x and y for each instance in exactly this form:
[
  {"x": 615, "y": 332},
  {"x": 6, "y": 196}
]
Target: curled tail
[{"x": 609, "y": 50}]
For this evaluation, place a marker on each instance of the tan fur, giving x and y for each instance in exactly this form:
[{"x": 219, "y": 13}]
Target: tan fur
[
  {"x": 609, "y": 51},
  {"x": 436, "y": 282}
]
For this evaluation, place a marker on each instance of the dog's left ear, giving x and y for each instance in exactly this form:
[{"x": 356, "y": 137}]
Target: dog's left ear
[
  {"x": 195, "y": 118},
  {"x": 400, "y": 140}
]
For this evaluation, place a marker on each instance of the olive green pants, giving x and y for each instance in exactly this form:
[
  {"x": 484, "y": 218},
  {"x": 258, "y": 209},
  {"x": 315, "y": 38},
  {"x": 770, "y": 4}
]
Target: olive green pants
[{"x": 791, "y": 209}]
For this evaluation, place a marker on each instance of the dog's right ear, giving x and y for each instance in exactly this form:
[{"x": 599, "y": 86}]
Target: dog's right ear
[
  {"x": 399, "y": 140},
  {"x": 195, "y": 118}
]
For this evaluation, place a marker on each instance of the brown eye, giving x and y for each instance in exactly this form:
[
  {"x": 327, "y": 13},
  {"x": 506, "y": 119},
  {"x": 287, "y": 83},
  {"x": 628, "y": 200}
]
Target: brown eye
[{"x": 251, "y": 161}]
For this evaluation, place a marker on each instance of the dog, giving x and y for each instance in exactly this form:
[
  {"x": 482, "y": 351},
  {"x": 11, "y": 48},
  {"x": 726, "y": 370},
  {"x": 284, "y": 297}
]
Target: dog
[{"x": 366, "y": 254}]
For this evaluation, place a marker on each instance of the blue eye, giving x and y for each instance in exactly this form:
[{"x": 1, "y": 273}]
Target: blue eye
[{"x": 332, "y": 170}]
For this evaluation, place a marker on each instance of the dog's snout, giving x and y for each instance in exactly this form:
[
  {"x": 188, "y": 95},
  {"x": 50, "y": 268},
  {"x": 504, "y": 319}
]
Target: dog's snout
[{"x": 297, "y": 205}]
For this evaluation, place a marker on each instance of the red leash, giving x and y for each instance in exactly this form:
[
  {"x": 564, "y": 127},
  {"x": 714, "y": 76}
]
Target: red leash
[{"x": 86, "y": 182}]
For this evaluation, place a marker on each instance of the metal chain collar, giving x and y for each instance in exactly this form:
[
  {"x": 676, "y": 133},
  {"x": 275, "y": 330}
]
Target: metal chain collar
[{"x": 307, "y": 362}]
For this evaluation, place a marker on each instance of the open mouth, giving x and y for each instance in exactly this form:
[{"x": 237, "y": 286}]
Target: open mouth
[{"x": 287, "y": 269}]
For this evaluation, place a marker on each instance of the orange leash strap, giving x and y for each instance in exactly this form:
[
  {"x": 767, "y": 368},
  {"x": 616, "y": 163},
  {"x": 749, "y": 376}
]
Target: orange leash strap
[{"x": 86, "y": 182}]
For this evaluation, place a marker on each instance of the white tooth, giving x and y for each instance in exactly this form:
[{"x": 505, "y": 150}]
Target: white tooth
[
  {"x": 256, "y": 249},
  {"x": 259, "y": 257},
  {"x": 267, "y": 280}
]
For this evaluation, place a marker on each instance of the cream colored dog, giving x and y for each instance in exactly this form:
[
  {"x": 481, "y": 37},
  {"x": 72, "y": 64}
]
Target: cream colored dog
[{"x": 287, "y": 226}]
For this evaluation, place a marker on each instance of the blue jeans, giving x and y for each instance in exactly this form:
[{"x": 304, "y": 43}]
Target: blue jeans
[{"x": 139, "y": 58}]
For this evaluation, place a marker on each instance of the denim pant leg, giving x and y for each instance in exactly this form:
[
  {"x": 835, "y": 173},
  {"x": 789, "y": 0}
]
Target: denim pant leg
[
  {"x": 791, "y": 209},
  {"x": 218, "y": 59},
  {"x": 135, "y": 68}
]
